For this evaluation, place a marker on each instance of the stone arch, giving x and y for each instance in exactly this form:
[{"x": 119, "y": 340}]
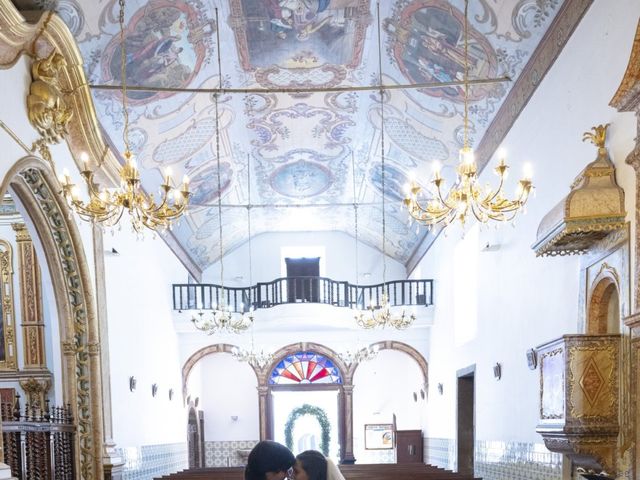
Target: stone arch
[
  {"x": 604, "y": 301},
  {"x": 200, "y": 354},
  {"x": 33, "y": 183},
  {"x": 401, "y": 347}
]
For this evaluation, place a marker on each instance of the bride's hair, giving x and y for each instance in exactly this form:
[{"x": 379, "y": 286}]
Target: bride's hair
[{"x": 314, "y": 463}]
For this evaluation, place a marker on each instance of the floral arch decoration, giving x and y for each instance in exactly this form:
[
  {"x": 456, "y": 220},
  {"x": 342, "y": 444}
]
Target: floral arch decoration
[{"x": 323, "y": 420}]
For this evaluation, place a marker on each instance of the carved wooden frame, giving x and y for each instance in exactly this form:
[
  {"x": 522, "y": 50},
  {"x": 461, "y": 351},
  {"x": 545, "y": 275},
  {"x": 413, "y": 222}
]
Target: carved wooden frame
[
  {"x": 32, "y": 182},
  {"x": 8, "y": 306}
]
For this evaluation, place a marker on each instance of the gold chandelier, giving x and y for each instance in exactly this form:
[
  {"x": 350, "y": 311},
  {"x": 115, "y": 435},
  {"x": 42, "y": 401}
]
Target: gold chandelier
[
  {"x": 467, "y": 197},
  {"x": 106, "y": 206},
  {"x": 381, "y": 315},
  {"x": 222, "y": 319}
]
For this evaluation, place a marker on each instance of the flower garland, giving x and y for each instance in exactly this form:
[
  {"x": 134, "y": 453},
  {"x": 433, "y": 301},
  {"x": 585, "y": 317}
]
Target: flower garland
[{"x": 317, "y": 412}]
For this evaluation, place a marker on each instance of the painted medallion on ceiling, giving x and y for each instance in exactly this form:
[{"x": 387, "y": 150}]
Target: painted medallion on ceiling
[
  {"x": 295, "y": 43},
  {"x": 166, "y": 44},
  {"x": 428, "y": 45}
]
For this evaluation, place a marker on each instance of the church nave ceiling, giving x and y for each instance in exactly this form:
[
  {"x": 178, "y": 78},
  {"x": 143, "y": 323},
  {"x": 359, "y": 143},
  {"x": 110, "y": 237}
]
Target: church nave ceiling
[{"x": 300, "y": 148}]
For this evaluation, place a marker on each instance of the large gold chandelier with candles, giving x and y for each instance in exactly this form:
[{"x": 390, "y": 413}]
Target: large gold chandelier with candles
[
  {"x": 467, "y": 198},
  {"x": 106, "y": 206}
]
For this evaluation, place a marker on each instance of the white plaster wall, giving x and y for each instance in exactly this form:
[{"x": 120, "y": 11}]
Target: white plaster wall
[
  {"x": 226, "y": 388},
  {"x": 142, "y": 341},
  {"x": 495, "y": 305},
  {"x": 339, "y": 262},
  {"x": 383, "y": 387}
]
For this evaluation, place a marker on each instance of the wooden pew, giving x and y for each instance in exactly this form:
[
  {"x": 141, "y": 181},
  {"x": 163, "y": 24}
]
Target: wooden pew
[{"x": 417, "y": 471}]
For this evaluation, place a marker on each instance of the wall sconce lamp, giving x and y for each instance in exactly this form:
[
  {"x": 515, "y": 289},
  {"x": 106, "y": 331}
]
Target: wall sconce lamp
[
  {"x": 170, "y": 394},
  {"x": 132, "y": 383},
  {"x": 497, "y": 371},
  {"x": 234, "y": 418},
  {"x": 154, "y": 389},
  {"x": 440, "y": 388},
  {"x": 532, "y": 359}
]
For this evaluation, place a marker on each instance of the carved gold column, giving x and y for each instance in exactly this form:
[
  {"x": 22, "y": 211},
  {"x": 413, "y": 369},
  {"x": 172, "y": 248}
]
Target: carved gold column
[
  {"x": 30, "y": 301},
  {"x": 627, "y": 99},
  {"x": 36, "y": 390}
]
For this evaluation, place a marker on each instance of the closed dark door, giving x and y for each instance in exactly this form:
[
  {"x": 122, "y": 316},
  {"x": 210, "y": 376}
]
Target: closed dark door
[
  {"x": 466, "y": 420},
  {"x": 304, "y": 286},
  {"x": 409, "y": 446}
]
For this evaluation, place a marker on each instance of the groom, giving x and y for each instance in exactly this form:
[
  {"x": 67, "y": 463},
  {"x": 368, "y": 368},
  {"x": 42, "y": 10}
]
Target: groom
[{"x": 269, "y": 461}]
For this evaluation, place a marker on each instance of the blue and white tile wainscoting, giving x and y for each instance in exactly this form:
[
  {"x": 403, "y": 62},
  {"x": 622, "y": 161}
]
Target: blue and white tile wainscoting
[
  {"x": 153, "y": 461},
  {"x": 499, "y": 460},
  {"x": 225, "y": 453}
]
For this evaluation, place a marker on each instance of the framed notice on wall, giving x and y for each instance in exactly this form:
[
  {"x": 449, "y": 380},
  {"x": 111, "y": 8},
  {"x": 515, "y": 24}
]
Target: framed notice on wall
[{"x": 378, "y": 436}]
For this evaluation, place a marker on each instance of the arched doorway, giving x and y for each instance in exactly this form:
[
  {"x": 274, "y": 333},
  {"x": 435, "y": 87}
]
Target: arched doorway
[
  {"x": 194, "y": 439},
  {"x": 306, "y": 400},
  {"x": 390, "y": 389}
]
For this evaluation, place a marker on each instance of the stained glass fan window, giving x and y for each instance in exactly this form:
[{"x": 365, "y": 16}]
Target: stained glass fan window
[{"x": 305, "y": 367}]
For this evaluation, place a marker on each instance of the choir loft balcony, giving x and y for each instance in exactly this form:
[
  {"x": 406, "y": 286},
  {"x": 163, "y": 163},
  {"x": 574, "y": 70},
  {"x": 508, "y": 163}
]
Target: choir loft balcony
[{"x": 300, "y": 290}]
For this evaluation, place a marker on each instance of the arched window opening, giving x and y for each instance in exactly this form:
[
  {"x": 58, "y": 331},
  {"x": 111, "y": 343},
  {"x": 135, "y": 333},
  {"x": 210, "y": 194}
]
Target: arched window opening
[{"x": 604, "y": 309}]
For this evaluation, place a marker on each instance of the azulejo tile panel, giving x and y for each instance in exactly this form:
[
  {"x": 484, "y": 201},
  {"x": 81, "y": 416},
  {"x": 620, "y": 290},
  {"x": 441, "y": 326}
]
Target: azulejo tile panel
[
  {"x": 152, "y": 461},
  {"x": 496, "y": 460},
  {"x": 227, "y": 453}
]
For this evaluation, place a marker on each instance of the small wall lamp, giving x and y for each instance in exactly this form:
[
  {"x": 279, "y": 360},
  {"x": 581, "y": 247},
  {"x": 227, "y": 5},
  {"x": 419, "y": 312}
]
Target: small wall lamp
[
  {"x": 497, "y": 371},
  {"x": 440, "y": 388},
  {"x": 132, "y": 383}
]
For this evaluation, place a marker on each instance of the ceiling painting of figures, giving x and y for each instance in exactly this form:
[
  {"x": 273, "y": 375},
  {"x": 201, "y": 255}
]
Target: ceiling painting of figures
[{"x": 309, "y": 150}]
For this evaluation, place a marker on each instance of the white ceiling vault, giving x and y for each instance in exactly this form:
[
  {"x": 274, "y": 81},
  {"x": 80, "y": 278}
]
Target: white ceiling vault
[{"x": 300, "y": 147}]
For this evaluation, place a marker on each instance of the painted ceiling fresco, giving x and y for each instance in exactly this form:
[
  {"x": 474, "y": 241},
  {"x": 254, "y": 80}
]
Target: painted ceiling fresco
[{"x": 300, "y": 148}]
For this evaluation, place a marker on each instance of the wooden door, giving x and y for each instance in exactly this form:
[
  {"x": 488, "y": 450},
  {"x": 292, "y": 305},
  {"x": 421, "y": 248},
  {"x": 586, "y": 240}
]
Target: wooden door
[{"x": 409, "y": 446}]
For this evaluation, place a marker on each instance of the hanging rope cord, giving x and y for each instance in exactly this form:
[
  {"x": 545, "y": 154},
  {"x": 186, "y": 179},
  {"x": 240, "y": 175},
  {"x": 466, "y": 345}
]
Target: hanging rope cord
[
  {"x": 215, "y": 98},
  {"x": 466, "y": 75},
  {"x": 123, "y": 74},
  {"x": 355, "y": 219},
  {"x": 382, "y": 156}
]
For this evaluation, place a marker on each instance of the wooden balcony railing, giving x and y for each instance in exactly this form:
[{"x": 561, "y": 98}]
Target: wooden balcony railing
[
  {"x": 38, "y": 442},
  {"x": 288, "y": 290}
]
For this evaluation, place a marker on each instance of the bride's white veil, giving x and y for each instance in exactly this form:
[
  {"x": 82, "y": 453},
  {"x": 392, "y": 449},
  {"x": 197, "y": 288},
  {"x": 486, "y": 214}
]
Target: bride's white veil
[{"x": 333, "y": 473}]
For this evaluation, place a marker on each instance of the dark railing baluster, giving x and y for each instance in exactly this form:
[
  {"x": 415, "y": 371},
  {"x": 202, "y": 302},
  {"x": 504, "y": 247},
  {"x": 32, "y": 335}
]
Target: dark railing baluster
[{"x": 302, "y": 289}]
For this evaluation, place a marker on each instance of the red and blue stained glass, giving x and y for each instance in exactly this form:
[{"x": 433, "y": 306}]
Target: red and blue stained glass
[{"x": 304, "y": 368}]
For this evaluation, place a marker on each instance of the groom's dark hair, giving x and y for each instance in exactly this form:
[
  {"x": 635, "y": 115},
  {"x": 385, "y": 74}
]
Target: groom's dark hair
[
  {"x": 314, "y": 463},
  {"x": 268, "y": 456}
]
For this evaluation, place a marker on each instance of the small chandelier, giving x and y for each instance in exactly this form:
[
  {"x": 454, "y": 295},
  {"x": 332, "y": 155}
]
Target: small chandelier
[
  {"x": 256, "y": 359},
  {"x": 223, "y": 320},
  {"x": 381, "y": 316},
  {"x": 467, "y": 198},
  {"x": 359, "y": 355},
  {"x": 106, "y": 206}
]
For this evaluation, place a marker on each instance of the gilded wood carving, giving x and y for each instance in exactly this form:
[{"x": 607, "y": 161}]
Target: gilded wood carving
[
  {"x": 47, "y": 109},
  {"x": 7, "y": 310}
]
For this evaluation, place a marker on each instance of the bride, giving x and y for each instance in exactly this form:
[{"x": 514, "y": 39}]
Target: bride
[{"x": 313, "y": 465}]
